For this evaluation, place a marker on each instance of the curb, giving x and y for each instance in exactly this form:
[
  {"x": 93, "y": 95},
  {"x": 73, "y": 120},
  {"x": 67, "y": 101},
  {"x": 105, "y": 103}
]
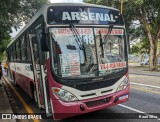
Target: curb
[{"x": 145, "y": 74}]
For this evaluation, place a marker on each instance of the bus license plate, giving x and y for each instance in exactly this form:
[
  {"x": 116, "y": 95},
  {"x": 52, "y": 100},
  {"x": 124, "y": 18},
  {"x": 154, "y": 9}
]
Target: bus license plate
[{"x": 123, "y": 97}]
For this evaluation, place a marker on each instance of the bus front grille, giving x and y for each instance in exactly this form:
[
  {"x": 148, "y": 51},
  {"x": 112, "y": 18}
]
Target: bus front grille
[
  {"x": 96, "y": 85},
  {"x": 98, "y": 102}
]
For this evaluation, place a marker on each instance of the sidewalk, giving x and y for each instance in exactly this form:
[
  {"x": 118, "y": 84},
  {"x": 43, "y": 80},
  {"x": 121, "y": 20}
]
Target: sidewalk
[
  {"x": 142, "y": 75},
  {"x": 140, "y": 70},
  {"x": 5, "y": 107}
]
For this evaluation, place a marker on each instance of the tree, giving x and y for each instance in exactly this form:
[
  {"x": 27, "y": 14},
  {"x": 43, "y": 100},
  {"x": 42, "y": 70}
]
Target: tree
[
  {"x": 112, "y": 3},
  {"x": 148, "y": 13},
  {"x": 28, "y": 8},
  {"x": 3, "y": 46},
  {"x": 7, "y": 15},
  {"x": 12, "y": 14}
]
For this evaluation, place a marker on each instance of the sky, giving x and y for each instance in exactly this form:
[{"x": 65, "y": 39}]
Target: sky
[{"x": 14, "y": 33}]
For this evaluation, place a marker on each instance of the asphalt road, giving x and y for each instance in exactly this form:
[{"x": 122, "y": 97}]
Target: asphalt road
[{"x": 142, "y": 103}]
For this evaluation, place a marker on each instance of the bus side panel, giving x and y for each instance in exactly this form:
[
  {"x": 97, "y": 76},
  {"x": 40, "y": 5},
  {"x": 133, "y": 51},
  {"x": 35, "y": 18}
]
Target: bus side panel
[
  {"x": 11, "y": 70},
  {"x": 25, "y": 83},
  {"x": 23, "y": 76},
  {"x": 52, "y": 82}
]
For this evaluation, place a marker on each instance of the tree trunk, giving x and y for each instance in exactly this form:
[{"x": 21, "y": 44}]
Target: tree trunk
[
  {"x": 153, "y": 51},
  {"x": 153, "y": 58},
  {"x": 153, "y": 40}
]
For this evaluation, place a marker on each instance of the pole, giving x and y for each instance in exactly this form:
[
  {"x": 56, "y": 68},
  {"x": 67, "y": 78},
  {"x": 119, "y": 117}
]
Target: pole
[{"x": 121, "y": 6}]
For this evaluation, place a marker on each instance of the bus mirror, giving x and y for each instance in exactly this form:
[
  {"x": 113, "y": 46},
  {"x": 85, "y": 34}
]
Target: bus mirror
[{"x": 44, "y": 43}]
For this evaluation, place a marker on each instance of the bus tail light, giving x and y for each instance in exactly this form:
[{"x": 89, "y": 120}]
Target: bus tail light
[
  {"x": 123, "y": 85},
  {"x": 64, "y": 95}
]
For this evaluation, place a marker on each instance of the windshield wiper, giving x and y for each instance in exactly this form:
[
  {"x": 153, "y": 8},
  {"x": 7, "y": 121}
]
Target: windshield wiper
[
  {"x": 101, "y": 43},
  {"x": 106, "y": 37},
  {"x": 78, "y": 39}
]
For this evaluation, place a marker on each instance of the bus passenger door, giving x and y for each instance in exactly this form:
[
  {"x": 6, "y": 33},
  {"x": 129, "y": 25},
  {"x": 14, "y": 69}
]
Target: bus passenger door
[
  {"x": 36, "y": 69},
  {"x": 39, "y": 73}
]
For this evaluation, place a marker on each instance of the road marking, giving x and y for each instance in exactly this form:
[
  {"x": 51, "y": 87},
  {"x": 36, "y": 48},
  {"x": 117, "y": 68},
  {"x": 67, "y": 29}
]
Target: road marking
[
  {"x": 145, "y": 90},
  {"x": 135, "y": 110},
  {"x": 27, "y": 107},
  {"x": 139, "y": 84},
  {"x": 138, "y": 111}
]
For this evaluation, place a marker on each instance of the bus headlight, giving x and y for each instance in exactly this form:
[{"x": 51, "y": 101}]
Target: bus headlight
[
  {"x": 63, "y": 94},
  {"x": 123, "y": 85}
]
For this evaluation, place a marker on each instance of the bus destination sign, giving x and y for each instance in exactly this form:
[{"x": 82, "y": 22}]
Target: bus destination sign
[
  {"x": 88, "y": 16},
  {"x": 83, "y": 15}
]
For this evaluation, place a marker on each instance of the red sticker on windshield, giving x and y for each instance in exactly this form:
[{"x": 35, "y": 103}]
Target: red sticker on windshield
[
  {"x": 105, "y": 31},
  {"x": 114, "y": 65}
]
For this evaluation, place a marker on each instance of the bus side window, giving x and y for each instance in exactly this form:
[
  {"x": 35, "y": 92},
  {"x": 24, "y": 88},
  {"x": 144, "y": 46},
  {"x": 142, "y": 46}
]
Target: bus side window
[
  {"x": 11, "y": 52},
  {"x": 17, "y": 50},
  {"x": 28, "y": 50},
  {"x": 23, "y": 48},
  {"x": 43, "y": 39},
  {"x": 35, "y": 49},
  {"x": 14, "y": 52}
]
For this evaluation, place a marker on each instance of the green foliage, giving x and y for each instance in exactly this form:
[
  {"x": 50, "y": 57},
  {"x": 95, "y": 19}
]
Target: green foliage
[
  {"x": 112, "y": 3},
  {"x": 3, "y": 46},
  {"x": 12, "y": 13},
  {"x": 148, "y": 13},
  {"x": 141, "y": 10},
  {"x": 134, "y": 49},
  {"x": 144, "y": 46},
  {"x": 29, "y": 8}
]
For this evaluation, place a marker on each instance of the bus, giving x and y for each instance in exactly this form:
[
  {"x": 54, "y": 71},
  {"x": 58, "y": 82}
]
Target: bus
[{"x": 72, "y": 59}]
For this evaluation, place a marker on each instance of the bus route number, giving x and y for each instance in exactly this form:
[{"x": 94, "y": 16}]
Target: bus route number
[{"x": 88, "y": 39}]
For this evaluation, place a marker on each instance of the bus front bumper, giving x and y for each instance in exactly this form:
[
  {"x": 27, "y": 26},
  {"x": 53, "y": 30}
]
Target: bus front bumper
[{"x": 63, "y": 110}]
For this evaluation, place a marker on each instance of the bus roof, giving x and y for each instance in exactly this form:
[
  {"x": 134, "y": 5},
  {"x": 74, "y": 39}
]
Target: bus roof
[{"x": 43, "y": 11}]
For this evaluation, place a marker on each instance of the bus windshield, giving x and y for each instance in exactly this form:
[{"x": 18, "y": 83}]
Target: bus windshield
[{"x": 91, "y": 52}]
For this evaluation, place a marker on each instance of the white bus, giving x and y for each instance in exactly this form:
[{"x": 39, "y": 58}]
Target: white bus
[{"x": 72, "y": 59}]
